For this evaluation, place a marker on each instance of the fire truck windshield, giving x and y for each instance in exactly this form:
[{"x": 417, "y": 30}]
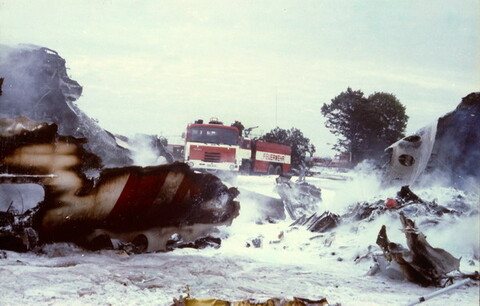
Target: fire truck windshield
[{"x": 215, "y": 135}]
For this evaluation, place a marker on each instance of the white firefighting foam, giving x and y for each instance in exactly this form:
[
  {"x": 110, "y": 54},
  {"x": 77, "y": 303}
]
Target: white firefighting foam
[{"x": 256, "y": 261}]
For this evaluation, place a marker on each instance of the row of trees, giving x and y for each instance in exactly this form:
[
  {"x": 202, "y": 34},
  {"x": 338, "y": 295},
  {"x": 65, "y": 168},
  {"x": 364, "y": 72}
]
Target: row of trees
[{"x": 365, "y": 126}]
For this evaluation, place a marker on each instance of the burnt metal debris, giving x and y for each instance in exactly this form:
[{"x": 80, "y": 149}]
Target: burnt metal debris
[
  {"x": 408, "y": 203},
  {"x": 421, "y": 263},
  {"x": 122, "y": 203},
  {"x": 299, "y": 198},
  {"x": 296, "y": 301},
  {"x": 318, "y": 223},
  {"x": 92, "y": 193}
]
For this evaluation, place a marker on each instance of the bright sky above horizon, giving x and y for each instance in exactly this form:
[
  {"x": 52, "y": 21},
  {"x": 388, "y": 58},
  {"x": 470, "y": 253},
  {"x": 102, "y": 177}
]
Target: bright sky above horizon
[{"x": 155, "y": 66}]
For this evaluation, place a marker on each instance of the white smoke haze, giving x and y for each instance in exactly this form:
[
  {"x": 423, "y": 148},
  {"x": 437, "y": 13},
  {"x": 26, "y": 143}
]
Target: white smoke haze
[
  {"x": 364, "y": 183},
  {"x": 143, "y": 152}
]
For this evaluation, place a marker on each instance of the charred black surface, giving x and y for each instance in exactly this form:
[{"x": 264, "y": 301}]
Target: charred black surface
[
  {"x": 122, "y": 200},
  {"x": 421, "y": 264},
  {"x": 17, "y": 232},
  {"x": 319, "y": 224},
  {"x": 456, "y": 151},
  {"x": 36, "y": 85},
  {"x": 42, "y": 133},
  {"x": 407, "y": 196}
]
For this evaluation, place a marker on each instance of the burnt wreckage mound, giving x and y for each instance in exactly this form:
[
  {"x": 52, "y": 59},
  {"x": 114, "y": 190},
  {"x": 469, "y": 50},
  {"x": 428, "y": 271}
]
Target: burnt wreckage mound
[
  {"x": 36, "y": 86},
  {"x": 92, "y": 194},
  {"x": 130, "y": 204}
]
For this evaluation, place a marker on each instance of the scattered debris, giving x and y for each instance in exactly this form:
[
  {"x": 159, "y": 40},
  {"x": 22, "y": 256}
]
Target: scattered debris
[
  {"x": 188, "y": 301},
  {"x": 421, "y": 264},
  {"x": 204, "y": 242},
  {"x": 256, "y": 242},
  {"x": 406, "y": 202},
  {"x": 441, "y": 291},
  {"x": 300, "y": 198},
  {"x": 17, "y": 232},
  {"x": 318, "y": 224}
]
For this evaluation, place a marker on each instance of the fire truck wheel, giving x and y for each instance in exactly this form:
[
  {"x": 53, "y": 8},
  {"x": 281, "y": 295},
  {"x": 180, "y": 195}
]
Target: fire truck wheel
[
  {"x": 271, "y": 169},
  {"x": 278, "y": 170},
  {"x": 246, "y": 168}
]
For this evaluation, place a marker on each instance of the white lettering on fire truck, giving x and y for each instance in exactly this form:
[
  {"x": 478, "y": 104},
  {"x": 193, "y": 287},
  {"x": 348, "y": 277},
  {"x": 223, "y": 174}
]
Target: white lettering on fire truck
[{"x": 273, "y": 157}]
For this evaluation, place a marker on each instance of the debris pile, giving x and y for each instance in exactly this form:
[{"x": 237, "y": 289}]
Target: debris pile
[
  {"x": 188, "y": 301},
  {"x": 299, "y": 198},
  {"x": 408, "y": 203},
  {"x": 319, "y": 224},
  {"x": 421, "y": 263},
  {"x": 16, "y": 230}
]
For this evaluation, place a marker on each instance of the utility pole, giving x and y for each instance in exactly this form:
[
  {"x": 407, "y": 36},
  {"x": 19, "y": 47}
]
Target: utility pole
[{"x": 276, "y": 106}]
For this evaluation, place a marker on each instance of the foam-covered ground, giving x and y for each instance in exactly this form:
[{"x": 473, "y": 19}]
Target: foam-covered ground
[{"x": 289, "y": 262}]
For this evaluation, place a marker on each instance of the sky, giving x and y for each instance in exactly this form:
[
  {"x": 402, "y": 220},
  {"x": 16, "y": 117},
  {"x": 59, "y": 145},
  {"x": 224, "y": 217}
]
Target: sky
[{"x": 155, "y": 66}]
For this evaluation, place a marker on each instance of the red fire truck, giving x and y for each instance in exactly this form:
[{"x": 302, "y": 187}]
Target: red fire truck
[{"x": 215, "y": 146}]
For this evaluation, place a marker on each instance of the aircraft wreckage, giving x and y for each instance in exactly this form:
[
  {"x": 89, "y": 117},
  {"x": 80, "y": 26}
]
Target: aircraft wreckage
[
  {"x": 89, "y": 190},
  {"x": 143, "y": 206},
  {"x": 447, "y": 150}
]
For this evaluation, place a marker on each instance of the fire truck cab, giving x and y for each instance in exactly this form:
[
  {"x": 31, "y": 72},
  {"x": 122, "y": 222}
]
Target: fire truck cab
[{"x": 217, "y": 147}]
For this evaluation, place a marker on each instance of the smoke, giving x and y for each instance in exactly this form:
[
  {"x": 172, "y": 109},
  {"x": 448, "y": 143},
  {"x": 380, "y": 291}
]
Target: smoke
[
  {"x": 458, "y": 236},
  {"x": 455, "y": 159},
  {"x": 364, "y": 183},
  {"x": 36, "y": 85},
  {"x": 145, "y": 151}
]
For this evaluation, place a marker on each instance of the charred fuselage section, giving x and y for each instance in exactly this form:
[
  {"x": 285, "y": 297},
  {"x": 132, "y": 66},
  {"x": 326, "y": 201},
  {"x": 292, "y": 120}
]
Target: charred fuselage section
[
  {"x": 92, "y": 192},
  {"x": 122, "y": 203},
  {"x": 448, "y": 150}
]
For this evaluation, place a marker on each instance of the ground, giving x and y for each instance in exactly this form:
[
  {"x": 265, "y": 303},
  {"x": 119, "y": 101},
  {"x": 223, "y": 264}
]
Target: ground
[{"x": 291, "y": 262}]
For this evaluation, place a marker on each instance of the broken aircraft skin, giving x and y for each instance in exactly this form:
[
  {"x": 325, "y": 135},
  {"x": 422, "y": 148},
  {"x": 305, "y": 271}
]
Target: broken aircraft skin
[
  {"x": 299, "y": 198},
  {"x": 422, "y": 263},
  {"x": 36, "y": 85},
  {"x": 188, "y": 301},
  {"x": 129, "y": 204},
  {"x": 448, "y": 150}
]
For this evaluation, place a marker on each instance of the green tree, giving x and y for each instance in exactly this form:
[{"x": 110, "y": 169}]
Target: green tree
[
  {"x": 295, "y": 139},
  {"x": 366, "y": 126}
]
